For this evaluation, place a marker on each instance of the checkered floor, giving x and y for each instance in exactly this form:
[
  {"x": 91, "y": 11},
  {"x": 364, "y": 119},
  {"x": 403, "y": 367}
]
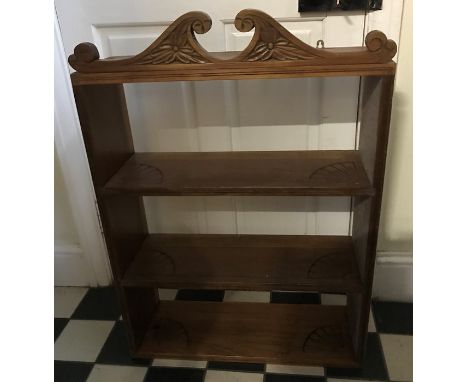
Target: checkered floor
[{"x": 91, "y": 345}]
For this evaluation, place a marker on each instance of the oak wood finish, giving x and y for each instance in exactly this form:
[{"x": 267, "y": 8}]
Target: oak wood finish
[
  {"x": 276, "y": 333},
  {"x": 273, "y": 52},
  {"x": 314, "y": 263},
  {"x": 243, "y": 173},
  {"x": 253, "y": 332}
]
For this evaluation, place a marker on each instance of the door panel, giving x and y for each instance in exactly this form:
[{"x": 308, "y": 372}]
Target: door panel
[{"x": 287, "y": 114}]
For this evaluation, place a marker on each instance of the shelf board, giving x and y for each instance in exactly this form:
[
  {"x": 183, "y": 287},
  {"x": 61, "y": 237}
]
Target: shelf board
[
  {"x": 251, "y": 332},
  {"x": 330, "y": 172},
  {"x": 293, "y": 262}
]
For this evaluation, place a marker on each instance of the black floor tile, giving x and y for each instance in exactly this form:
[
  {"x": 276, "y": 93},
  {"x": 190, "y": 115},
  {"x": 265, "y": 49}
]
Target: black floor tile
[
  {"x": 393, "y": 317},
  {"x": 292, "y": 378},
  {"x": 373, "y": 365},
  {"x": 59, "y": 325},
  {"x": 237, "y": 366},
  {"x": 98, "y": 304},
  {"x": 295, "y": 298},
  {"x": 116, "y": 349},
  {"x": 71, "y": 371},
  {"x": 200, "y": 295},
  {"x": 168, "y": 374}
]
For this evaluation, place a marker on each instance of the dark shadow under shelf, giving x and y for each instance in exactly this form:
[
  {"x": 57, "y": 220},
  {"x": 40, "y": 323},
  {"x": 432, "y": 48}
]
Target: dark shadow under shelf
[
  {"x": 253, "y": 332},
  {"x": 246, "y": 262},
  {"x": 329, "y": 172}
]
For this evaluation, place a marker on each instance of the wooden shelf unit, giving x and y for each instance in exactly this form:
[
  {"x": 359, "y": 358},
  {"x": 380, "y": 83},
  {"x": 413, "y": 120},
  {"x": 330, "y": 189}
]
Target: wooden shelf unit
[{"x": 142, "y": 262}]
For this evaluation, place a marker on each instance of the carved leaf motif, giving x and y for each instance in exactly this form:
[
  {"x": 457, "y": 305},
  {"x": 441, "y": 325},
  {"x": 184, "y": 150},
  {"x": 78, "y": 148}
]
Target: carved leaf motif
[
  {"x": 176, "y": 49},
  {"x": 271, "y": 41},
  {"x": 273, "y": 46}
]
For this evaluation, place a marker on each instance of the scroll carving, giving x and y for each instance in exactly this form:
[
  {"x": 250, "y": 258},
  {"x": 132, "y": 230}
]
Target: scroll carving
[
  {"x": 271, "y": 41},
  {"x": 178, "y": 47}
]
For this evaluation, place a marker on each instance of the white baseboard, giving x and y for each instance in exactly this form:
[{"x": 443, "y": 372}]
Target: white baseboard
[
  {"x": 70, "y": 267},
  {"x": 393, "y": 277}
]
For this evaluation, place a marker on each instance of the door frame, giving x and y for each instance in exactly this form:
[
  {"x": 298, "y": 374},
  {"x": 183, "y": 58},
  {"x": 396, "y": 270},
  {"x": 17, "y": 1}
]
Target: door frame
[{"x": 90, "y": 258}]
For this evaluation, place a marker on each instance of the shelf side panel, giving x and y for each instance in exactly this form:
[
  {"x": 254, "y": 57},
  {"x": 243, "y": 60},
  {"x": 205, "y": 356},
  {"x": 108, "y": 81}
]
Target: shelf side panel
[
  {"x": 375, "y": 123},
  {"x": 106, "y": 132}
]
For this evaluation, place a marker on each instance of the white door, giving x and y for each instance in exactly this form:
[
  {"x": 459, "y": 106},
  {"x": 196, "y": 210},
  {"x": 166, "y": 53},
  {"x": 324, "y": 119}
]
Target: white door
[{"x": 287, "y": 114}]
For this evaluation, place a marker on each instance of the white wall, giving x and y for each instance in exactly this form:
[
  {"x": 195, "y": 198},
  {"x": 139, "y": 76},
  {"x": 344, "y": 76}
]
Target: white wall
[
  {"x": 393, "y": 278},
  {"x": 64, "y": 227}
]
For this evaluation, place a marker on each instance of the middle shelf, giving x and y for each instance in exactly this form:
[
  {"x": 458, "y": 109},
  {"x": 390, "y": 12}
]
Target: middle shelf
[
  {"x": 295, "y": 173},
  {"x": 246, "y": 262}
]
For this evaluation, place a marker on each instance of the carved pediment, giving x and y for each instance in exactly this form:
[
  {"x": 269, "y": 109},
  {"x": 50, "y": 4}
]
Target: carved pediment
[{"x": 271, "y": 42}]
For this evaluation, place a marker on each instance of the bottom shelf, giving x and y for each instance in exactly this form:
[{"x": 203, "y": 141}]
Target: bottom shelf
[{"x": 250, "y": 332}]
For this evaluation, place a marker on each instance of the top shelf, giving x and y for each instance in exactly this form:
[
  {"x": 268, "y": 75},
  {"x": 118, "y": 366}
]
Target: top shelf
[{"x": 273, "y": 52}]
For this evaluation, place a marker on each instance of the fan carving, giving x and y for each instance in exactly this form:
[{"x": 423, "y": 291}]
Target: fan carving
[
  {"x": 167, "y": 332},
  {"x": 344, "y": 171},
  {"x": 328, "y": 337},
  {"x": 325, "y": 266},
  {"x": 163, "y": 262},
  {"x": 146, "y": 172}
]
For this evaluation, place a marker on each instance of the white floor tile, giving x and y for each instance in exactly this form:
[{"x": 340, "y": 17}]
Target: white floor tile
[
  {"x": 167, "y": 294},
  {"x": 103, "y": 373},
  {"x": 82, "y": 340},
  {"x": 230, "y": 376},
  {"x": 66, "y": 300},
  {"x": 301, "y": 370},
  {"x": 179, "y": 363},
  {"x": 398, "y": 353},
  {"x": 333, "y": 299},
  {"x": 246, "y": 296}
]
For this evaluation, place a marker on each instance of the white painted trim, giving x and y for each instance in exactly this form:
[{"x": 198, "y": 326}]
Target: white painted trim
[
  {"x": 395, "y": 258},
  {"x": 70, "y": 266},
  {"x": 393, "y": 277},
  {"x": 71, "y": 154}
]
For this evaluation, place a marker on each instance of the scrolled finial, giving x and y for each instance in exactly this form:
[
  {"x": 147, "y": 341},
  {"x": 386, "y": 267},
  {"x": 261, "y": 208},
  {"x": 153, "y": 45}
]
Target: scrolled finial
[
  {"x": 244, "y": 21},
  {"x": 377, "y": 40},
  {"x": 85, "y": 52},
  {"x": 201, "y": 23}
]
